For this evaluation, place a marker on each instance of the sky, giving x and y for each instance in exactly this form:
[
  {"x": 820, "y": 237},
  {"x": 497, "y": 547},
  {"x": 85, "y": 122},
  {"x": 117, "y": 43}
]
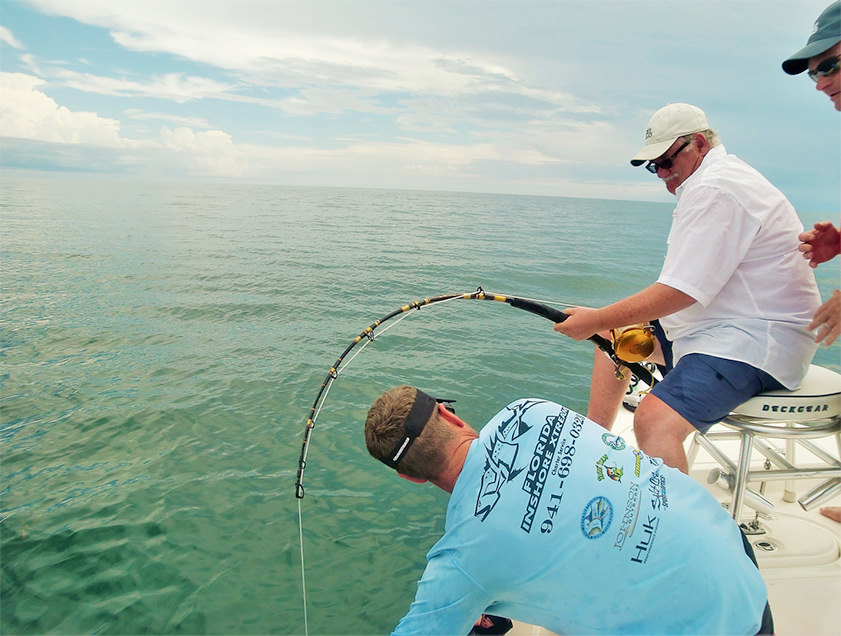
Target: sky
[{"x": 521, "y": 97}]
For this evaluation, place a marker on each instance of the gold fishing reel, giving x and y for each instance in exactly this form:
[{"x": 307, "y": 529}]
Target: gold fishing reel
[{"x": 633, "y": 343}]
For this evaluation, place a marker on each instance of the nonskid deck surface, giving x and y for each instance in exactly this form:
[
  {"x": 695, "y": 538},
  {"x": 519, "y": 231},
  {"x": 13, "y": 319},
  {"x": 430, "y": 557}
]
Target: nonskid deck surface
[{"x": 799, "y": 552}]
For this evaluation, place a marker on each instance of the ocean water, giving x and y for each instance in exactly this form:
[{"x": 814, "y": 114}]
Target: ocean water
[{"x": 162, "y": 345}]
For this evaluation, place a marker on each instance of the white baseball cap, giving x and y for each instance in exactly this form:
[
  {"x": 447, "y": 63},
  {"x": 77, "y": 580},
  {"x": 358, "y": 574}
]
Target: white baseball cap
[{"x": 666, "y": 125}]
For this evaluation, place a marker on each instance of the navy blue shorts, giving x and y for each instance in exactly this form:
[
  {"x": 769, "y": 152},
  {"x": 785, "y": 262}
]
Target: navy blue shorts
[{"x": 705, "y": 389}]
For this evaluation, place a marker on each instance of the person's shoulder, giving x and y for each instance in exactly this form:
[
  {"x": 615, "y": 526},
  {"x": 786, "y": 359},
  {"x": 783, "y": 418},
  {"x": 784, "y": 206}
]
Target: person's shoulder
[
  {"x": 532, "y": 401},
  {"x": 720, "y": 164},
  {"x": 729, "y": 168},
  {"x": 527, "y": 409},
  {"x": 541, "y": 405},
  {"x": 727, "y": 175}
]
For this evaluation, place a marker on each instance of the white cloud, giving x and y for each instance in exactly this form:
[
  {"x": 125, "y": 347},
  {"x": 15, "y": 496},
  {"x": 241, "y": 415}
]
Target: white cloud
[
  {"x": 312, "y": 101},
  {"x": 207, "y": 153},
  {"x": 432, "y": 94},
  {"x": 273, "y": 43},
  {"x": 190, "y": 122},
  {"x": 176, "y": 87},
  {"x": 285, "y": 58},
  {"x": 400, "y": 158},
  {"x": 28, "y": 113},
  {"x": 28, "y": 60},
  {"x": 7, "y": 38}
]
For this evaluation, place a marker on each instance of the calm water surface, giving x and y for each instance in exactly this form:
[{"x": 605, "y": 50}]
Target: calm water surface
[{"x": 162, "y": 346}]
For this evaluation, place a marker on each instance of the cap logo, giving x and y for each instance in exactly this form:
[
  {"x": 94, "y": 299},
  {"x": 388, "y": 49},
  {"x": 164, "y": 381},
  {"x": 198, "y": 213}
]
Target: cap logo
[{"x": 648, "y": 133}]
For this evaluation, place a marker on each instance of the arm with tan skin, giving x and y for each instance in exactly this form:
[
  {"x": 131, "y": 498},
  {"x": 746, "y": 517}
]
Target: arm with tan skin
[
  {"x": 828, "y": 320},
  {"x": 655, "y": 301},
  {"x": 832, "y": 512},
  {"x": 821, "y": 244}
]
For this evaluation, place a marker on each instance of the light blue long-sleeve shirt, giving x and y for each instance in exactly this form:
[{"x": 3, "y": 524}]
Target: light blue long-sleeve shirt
[{"x": 556, "y": 522}]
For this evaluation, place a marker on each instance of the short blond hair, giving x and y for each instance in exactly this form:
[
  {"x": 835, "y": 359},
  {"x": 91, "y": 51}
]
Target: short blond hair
[{"x": 384, "y": 429}]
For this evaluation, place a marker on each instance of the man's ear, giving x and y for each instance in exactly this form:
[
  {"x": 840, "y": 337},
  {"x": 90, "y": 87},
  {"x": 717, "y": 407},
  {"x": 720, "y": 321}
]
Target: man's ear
[
  {"x": 450, "y": 416},
  {"x": 702, "y": 144},
  {"x": 414, "y": 480}
]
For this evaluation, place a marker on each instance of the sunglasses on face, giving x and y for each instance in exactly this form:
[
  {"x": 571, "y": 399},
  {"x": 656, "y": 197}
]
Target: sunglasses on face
[
  {"x": 827, "y": 67},
  {"x": 654, "y": 166}
]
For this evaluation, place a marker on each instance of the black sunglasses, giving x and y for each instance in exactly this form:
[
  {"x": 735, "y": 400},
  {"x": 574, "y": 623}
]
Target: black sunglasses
[
  {"x": 654, "y": 166},
  {"x": 827, "y": 67}
]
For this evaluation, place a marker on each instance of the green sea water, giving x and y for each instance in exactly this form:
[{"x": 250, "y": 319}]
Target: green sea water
[{"x": 162, "y": 345}]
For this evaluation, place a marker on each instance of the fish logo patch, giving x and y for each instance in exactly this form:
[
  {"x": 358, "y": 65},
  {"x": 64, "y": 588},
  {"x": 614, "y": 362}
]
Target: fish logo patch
[
  {"x": 603, "y": 469},
  {"x": 596, "y": 517}
]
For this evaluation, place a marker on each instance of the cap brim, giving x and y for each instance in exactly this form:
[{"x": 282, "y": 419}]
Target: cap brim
[
  {"x": 652, "y": 151},
  {"x": 799, "y": 62}
]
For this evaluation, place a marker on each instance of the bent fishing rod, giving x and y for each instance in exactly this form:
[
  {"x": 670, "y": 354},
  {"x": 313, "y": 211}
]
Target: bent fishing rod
[{"x": 368, "y": 334}]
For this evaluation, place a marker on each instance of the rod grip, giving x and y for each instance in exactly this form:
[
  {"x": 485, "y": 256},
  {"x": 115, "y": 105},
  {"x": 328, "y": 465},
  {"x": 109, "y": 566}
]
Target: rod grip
[{"x": 555, "y": 315}]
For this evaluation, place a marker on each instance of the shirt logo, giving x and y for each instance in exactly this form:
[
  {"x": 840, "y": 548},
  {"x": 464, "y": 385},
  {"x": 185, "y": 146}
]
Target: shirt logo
[
  {"x": 646, "y": 542},
  {"x": 596, "y": 517},
  {"x": 501, "y": 458},
  {"x": 540, "y": 464},
  {"x": 629, "y": 518},
  {"x": 613, "y": 441},
  {"x": 612, "y": 472}
]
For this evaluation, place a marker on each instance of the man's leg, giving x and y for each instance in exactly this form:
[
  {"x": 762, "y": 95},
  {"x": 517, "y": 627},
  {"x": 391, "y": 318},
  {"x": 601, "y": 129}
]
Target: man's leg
[
  {"x": 606, "y": 391},
  {"x": 661, "y": 431},
  {"x": 700, "y": 391}
]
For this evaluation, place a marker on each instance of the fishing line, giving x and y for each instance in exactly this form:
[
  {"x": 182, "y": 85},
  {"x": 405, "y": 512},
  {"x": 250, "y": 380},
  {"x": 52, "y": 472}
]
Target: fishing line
[
  {"x": 303, "y": 576},
  {"x": 367, "y": 336},
  {"x": 338, "y": 368}
]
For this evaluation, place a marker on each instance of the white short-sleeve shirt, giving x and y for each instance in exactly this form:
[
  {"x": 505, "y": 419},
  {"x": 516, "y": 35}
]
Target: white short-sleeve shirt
[{"x": 733, "y": 248}]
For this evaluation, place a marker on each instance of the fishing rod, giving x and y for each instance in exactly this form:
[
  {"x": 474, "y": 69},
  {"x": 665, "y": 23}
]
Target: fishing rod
[
  {"x": 367, "y": 335},
  {"x": 532, "y": 306}
]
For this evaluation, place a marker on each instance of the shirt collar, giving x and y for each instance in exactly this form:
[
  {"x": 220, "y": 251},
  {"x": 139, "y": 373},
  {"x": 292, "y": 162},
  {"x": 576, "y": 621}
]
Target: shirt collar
[{"x": 713, "y": 155}]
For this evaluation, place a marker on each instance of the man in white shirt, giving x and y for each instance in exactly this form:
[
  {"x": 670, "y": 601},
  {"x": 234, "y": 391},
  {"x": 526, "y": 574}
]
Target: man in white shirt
[{"x": 732, "y": 302}]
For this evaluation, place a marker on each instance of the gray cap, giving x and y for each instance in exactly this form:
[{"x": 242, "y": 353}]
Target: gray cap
[{"x": 825, "y": 34}]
